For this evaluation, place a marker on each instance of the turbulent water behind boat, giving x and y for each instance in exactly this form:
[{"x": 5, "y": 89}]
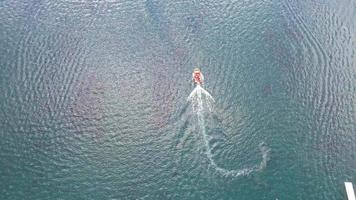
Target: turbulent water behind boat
[
  {"x": 202, "y": 105},
  {"x": 94, "y": 103}
]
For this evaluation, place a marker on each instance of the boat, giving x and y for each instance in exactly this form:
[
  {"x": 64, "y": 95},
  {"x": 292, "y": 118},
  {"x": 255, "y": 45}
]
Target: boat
[{"x": 197, "y": 77}]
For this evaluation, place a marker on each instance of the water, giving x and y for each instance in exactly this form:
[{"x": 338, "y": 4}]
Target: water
[
  {"x": 94, "y": 99},
  {"x": 201, "y": 102}
]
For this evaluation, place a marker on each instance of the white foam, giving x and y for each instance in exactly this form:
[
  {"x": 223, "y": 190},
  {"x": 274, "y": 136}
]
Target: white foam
[{"x": 202, "y": 101}]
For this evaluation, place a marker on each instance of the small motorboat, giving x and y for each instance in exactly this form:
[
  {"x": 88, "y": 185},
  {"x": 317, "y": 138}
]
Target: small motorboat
[{"x": 197, "y": 77}]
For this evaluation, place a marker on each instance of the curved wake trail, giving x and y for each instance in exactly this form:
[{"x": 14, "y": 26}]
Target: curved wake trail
[{"x": 202, "y": 102}]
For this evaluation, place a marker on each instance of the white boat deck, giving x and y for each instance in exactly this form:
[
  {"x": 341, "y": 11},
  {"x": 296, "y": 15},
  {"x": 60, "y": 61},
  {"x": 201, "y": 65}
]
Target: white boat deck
[{"x": 350, "y": 191}]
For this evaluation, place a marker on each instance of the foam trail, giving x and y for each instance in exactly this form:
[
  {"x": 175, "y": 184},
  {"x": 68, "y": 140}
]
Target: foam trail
[
  {"x": 198, "y": 97},
  {"x": 198, "y": 90}
]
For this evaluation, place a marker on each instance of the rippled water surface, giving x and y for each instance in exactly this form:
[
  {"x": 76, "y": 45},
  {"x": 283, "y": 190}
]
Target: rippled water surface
[{"x": 94, "y": 99}]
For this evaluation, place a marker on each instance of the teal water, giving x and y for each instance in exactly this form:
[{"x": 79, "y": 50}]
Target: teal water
[{"x": 94, "y": 99}]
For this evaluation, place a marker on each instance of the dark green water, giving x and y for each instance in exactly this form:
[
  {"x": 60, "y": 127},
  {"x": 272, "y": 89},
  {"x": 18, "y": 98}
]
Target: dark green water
[{"x": 94, "y": 104}]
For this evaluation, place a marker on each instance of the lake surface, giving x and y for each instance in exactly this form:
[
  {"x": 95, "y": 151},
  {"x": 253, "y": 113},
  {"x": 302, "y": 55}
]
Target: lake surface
[{"x": 94, "y": 99}]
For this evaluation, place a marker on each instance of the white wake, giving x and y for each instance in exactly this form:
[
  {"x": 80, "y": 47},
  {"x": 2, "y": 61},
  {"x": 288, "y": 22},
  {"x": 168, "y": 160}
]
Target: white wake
[{"x": 202, "y": 102}]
